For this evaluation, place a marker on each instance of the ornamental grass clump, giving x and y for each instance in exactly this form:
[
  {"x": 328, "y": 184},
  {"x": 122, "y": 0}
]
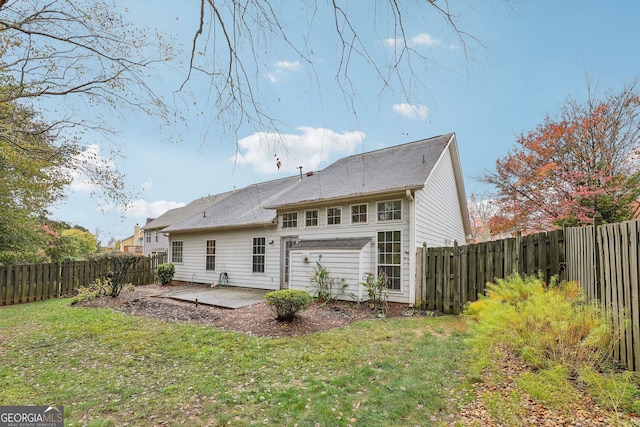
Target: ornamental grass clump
[
  {"x": 286, "y": 303},
  {"x": 564, "y": 339},
  {"x": 546, "y": 324}
]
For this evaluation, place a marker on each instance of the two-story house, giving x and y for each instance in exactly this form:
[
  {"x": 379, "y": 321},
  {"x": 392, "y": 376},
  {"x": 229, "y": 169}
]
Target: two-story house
[{"x": 365, "y": 213}]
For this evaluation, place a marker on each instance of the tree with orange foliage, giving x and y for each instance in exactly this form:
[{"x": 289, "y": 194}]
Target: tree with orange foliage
[{"x": 587, "y": 160}]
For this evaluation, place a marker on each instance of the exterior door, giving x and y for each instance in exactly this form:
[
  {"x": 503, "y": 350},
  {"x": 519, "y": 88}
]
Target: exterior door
[{"x": 285, "y": 259}]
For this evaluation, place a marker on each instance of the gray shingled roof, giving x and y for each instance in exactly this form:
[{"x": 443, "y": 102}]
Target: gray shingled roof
[
  {"x": 238, "y": 208},
  {"x": 176, "y": 215},
  {"x": 328, "y": 244},
  {"x": 396, "y": 168}
]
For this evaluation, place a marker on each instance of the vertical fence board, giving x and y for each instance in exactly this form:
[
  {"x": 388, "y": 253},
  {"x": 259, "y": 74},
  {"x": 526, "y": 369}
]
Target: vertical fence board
[
  {"x": 626, "y": 292},
  {"x": 3, "y": 285},
  {"x": 634, "y": 283},
  {"x": 419, "y": 258}
]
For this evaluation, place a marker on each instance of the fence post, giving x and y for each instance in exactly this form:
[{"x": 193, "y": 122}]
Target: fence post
[
  {"x": 597, "y": 221},
  {"x": 456, "y": 278},
  {"x": 519, "y": 268}
]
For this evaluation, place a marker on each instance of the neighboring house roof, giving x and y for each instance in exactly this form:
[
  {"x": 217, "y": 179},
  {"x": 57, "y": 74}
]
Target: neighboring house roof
[
  {"x": 329, "y": 244},
  {"x": 402, "y": 167},
  {"x": 399, "y": 168}
]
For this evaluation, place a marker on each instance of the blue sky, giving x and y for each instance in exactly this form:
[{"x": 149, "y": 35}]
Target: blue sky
[{"x": 534, "y": 54}]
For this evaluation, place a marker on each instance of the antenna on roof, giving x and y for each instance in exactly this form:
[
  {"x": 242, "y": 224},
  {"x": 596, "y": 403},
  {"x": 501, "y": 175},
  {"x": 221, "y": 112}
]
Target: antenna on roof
[{"x": 300, "y": 167}]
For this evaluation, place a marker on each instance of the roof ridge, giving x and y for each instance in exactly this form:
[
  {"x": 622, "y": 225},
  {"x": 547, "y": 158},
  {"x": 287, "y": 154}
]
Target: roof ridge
[{"x": 393, "y": 147}]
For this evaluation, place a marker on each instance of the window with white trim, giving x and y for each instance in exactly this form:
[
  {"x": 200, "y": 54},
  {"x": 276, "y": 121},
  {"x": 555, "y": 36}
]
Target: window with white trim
[
  {"x": 147, "y": 236},
  {"x": 311, "y": 218},
  {"x": 259, "y": 252},
  {"x": 210, "y": 262},
  {"x": 290, "y": 220},
  {"x": 390, "y": 257},
  {"x": 334, "y": 216},
  {"x": 359, "y": 214},
  {"x": 390, "y": 211},
  {"x": 176, "y": 251}
]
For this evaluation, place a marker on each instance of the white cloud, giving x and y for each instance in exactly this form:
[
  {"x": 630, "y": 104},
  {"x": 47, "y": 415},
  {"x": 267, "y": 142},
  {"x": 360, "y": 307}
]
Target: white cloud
[
  {"x": 410, "y": 111},
  {"x": 287, "y": 65},
  {"x": 308, "y": 149},
  {"x": 143, "y": 209},
  {"x": 92, "y": 160},
  {"x": 422, "y": 39},
  {"x": 282, "y": 70}
]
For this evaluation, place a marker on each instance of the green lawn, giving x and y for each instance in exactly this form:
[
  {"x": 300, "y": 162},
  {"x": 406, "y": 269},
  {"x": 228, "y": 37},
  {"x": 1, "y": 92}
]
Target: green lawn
[{"x": 108, "y": 369}]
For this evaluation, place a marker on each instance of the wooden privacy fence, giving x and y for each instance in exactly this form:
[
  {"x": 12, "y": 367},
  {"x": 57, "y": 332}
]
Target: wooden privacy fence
[
  {"x": 34, "y": 282},
  {"x": 449, "y": 277},
  {"x": 605, "y": 261}
]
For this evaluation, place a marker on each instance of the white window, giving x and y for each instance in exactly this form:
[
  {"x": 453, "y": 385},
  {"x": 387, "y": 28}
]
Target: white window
[
  {"x": 334, "y": 216},
  {"x": 176, "y": 251},
  {"x": 359, "y": 214},
  {"x": 290, "y": 220},
  {"x": 311, "y": 218},
  {"x": 390, "y": 211},
  {"x": 210, "y": 254},
  {"x": 390, "y": 257},
  {"x": 259, "y": 251}
]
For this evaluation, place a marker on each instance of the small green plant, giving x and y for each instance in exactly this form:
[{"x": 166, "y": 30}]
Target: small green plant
[
  {"x": 99, "y": 288},
  {"x": 120, "y": 266},
  {"x": 165, "y": 273},
  {"x": 287, "y": 302},
  {"x": 326, "y": 288},
  {"x": 87, "y": 293},
  {"x": 378, "y": 291}
]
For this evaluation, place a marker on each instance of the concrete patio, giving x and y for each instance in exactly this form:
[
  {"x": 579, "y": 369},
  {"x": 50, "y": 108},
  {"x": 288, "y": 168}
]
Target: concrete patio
[{"x": 224, "y": 296}]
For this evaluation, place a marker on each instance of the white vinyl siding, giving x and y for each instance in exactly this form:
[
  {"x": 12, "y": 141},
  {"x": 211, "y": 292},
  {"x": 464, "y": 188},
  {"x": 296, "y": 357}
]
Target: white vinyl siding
[
  {"x": 234, "y": 252},
  {"x": 370, "y": 230},
  {"x": 346, "y": 266},
  {"x": 438, "y": 218}
]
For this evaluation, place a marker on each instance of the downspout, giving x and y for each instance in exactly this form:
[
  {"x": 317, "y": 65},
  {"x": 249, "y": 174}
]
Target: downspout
[{"x": 412, "y": 248}]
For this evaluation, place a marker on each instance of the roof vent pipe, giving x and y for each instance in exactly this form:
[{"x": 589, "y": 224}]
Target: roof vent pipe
[{"x": 300, "y": 167}]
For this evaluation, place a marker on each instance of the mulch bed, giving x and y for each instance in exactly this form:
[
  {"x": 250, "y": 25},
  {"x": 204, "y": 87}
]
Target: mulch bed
[{"x": 254, "y": 320}]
